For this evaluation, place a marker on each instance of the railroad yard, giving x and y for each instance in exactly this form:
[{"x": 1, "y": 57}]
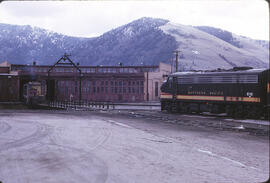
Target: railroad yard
[{"x": 130, "y": 146}]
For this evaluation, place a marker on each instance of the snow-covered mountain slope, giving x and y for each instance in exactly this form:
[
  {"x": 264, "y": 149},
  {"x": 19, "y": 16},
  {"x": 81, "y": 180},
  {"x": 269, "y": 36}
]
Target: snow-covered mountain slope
[
  {"x": 144, "y": 41},
  {"x": 25, "y": 44},
  {"x": 139, "y": 42},
  {"x": 260, "y": 48},
  {"x": 201, "y": 50}
]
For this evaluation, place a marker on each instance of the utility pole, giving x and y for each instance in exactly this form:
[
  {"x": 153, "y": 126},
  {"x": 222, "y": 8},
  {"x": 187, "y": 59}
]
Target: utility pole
[
  {"x": 147, "y": 85},
  {"x": 176, "y": 59},
  {"x": 171, "y": 65}
]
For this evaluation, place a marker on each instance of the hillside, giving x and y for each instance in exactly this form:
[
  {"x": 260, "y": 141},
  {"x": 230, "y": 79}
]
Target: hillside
[{"x": 144, "y": 41}]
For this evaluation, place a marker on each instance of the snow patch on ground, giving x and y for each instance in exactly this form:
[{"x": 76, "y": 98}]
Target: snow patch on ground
[
  {"x": 225, "y": 158},
  {"x": 252, "y": 121},
  {"x": 119, "y": 124}
]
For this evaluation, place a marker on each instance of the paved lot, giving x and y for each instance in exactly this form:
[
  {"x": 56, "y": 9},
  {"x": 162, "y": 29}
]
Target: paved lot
[{"x": 60, "y": 146}]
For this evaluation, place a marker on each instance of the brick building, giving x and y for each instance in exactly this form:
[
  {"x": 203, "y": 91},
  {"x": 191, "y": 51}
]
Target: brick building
[
  {"x": 154, "y": 79},
  {"x": 98, "y": 83},
  {"x": 9, "y": 83}
]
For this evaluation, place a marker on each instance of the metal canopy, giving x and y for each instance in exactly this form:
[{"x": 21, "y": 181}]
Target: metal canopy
[{"x": 65, "y": 60}]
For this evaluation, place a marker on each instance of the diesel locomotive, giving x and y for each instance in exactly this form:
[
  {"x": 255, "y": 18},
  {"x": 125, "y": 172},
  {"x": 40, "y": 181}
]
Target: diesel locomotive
[{"x": 241, "y": 92}]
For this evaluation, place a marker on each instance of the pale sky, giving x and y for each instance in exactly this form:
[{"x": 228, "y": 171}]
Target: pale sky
[{"x": 92, "y": 18}]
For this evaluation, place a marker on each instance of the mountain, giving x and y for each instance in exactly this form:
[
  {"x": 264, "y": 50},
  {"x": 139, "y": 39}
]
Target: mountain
[
  {"x": 144, "y": 41},
  {"x": 25, "y": 44},
  {"x": 139, "y": 42}
]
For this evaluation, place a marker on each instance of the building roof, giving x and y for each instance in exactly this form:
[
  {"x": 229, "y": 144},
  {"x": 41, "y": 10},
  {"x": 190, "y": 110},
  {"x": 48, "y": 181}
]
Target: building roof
[{"x": 4, "y": 64}]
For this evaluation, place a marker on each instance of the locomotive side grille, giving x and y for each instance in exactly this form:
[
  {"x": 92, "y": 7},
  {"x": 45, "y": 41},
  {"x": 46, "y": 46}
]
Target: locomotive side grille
[
  {"x": 229, "y": 79},
  {"x": 205, "y": 79},
  {"x": 248, "y": 78},
  {"x": 218, "y": 79},
  {"x": 186, "y": 80}
]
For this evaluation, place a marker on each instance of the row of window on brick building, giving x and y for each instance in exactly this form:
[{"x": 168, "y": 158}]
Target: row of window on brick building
[
  {"x": 101, "y": 87},
  {"x": 85, "y": 70}
]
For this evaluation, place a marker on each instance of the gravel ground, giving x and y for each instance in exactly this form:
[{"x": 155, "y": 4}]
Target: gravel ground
[{"x": 89, "y": 146}]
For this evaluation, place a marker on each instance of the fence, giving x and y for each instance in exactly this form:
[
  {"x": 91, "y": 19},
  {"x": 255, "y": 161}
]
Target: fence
[
  {"x": 81, "y": 105},
  {"x": 101, "y": 105}
]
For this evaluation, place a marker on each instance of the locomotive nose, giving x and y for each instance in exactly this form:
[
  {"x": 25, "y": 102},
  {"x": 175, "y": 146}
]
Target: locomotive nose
[{"x": 162, "y": 86}]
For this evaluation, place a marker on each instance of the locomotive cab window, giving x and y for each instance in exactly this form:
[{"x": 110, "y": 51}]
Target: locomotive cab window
[{"x": 170, "y": 80}]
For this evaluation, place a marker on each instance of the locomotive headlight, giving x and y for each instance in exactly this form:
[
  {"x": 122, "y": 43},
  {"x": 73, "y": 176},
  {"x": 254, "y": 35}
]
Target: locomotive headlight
[{"x": 249, "y": 94}]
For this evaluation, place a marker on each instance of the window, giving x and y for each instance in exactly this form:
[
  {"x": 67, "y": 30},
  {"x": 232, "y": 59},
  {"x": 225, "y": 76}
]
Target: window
[
  {"x": 141, "y": 89},
  {"x": 156, "y": 89}
]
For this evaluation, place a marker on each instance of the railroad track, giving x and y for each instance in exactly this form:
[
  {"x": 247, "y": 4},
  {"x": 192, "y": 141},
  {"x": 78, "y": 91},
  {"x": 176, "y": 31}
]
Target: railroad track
[
  {"x": 152, "y": 111},
  {"x": 255, "y": 127}
]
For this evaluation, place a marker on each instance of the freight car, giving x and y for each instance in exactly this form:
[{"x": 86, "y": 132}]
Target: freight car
[
  {"x": 33, "y": 93},
  {"x": 241, "y": 92}
]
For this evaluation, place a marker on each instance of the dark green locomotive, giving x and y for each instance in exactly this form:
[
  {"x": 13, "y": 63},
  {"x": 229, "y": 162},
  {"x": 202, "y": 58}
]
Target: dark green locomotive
[{"x": 239, "y": 92}]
